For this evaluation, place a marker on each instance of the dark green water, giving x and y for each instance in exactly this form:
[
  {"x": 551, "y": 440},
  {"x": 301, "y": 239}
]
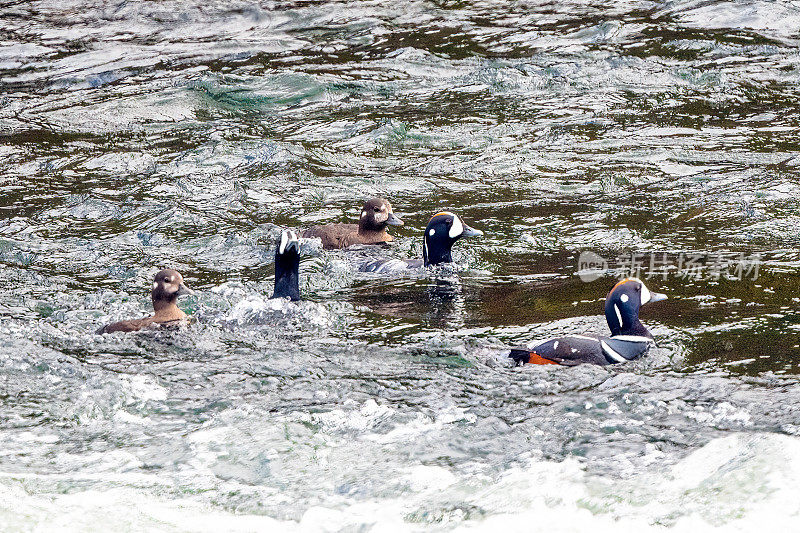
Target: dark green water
[{"x": 142, "y": 135}]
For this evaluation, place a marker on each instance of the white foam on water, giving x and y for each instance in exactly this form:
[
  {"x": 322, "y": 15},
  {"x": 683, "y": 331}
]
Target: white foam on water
[
  {"x": 255, "y": 309},
  {"x": 780, "y": 18},
  {"x": 119, "y": 509},
  {"x": 144, "y": 388},
  {"x": 421, "y": 425},
  {"x": 362, "y": 419},
  {"x": 742, "y": 482}
]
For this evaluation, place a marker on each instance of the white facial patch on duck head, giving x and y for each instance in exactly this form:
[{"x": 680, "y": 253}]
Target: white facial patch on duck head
[
  {"x": 363, "y": 214},
  {"x": 287, "y": 236},
  {"x": 432, "y": 232},
  {"x": 645, "y": 294},
  {"x": 382, "y": 215},
  {"x": 284, "y": 242},
  {"x": 456, "y": 228},
  {"x": 155, "y": 284}
]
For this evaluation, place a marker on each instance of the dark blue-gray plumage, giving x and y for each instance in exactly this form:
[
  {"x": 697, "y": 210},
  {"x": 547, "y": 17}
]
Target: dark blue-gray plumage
[{"x": 629, "y": 339}]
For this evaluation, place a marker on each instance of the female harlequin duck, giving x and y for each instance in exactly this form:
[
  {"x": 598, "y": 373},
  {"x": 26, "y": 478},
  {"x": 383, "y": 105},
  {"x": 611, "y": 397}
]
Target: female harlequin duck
[
  {"x": 371, "y": 228},
  {"x": 629, "y": 338},
  {"x": 442, "y": 231},
  {"x": 287, "y": 266},
  {"x": 167, "y": 286}
]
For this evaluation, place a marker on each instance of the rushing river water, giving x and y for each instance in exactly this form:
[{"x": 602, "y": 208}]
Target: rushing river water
[{"x": 142, "y": 135}]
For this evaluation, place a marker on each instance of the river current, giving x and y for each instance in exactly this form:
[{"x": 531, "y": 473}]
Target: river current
[{"x": 654, "y": 138}]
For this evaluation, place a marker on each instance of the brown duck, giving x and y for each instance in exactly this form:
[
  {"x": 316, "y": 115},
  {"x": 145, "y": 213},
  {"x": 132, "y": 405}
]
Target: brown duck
[
  {"x": 371, "y": 228},
  {"x": 167, "y": 286}
]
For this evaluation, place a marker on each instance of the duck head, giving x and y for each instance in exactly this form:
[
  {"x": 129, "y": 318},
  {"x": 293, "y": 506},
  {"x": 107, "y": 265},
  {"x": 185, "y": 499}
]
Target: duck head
[
  {"x": 623, "y": 304},
  {"x": 376, "y": 215},
  {"x": 442, "y": 231},
  {"x": 167, "y": 286},
  {"x": 287, "y": 266}
]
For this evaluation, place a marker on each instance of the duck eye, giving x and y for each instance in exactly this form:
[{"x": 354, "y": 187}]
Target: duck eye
[{"x": 377, "y": 208}]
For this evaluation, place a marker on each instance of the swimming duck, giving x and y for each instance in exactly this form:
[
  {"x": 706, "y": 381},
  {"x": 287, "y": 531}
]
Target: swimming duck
[
  {"x": 629, "y": 339},
  {"x": 287, "y": 266},
  {"x": 167, "y": 286},
  {"x": 376, "y": 215},
  {"x": 442, "y": 231}
]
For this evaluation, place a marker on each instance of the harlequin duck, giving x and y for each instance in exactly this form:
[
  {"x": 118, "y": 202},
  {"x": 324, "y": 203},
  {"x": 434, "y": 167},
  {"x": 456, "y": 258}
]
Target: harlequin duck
[
  {"x": 167, "y": 286},
  {"x": 371, "y": 228},
  {"x": 442, "y": 231},
  {"x": 629, "y": 339},
  {"x": 287, "y": 266}
]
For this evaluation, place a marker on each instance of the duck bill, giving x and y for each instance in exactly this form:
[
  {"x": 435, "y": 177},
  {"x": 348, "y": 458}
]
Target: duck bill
[
  {"x": 471, "y": 232},
  {"x": 183, "y": 290},
  {"x": 293, "y": 244},
  {"x": 393, "y": 220},
  {"x": 657, "y": 297}
]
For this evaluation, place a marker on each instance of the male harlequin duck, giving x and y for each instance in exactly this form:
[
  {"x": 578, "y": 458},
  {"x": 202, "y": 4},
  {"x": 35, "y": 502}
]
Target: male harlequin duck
[
  {"x": 167, "y": 286},
  {"x": 442, "y": 231},
  {"x": 629, "y": 338},
  {"x": 287, "y": 266},
  {"x": 371, "y": 228}
]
